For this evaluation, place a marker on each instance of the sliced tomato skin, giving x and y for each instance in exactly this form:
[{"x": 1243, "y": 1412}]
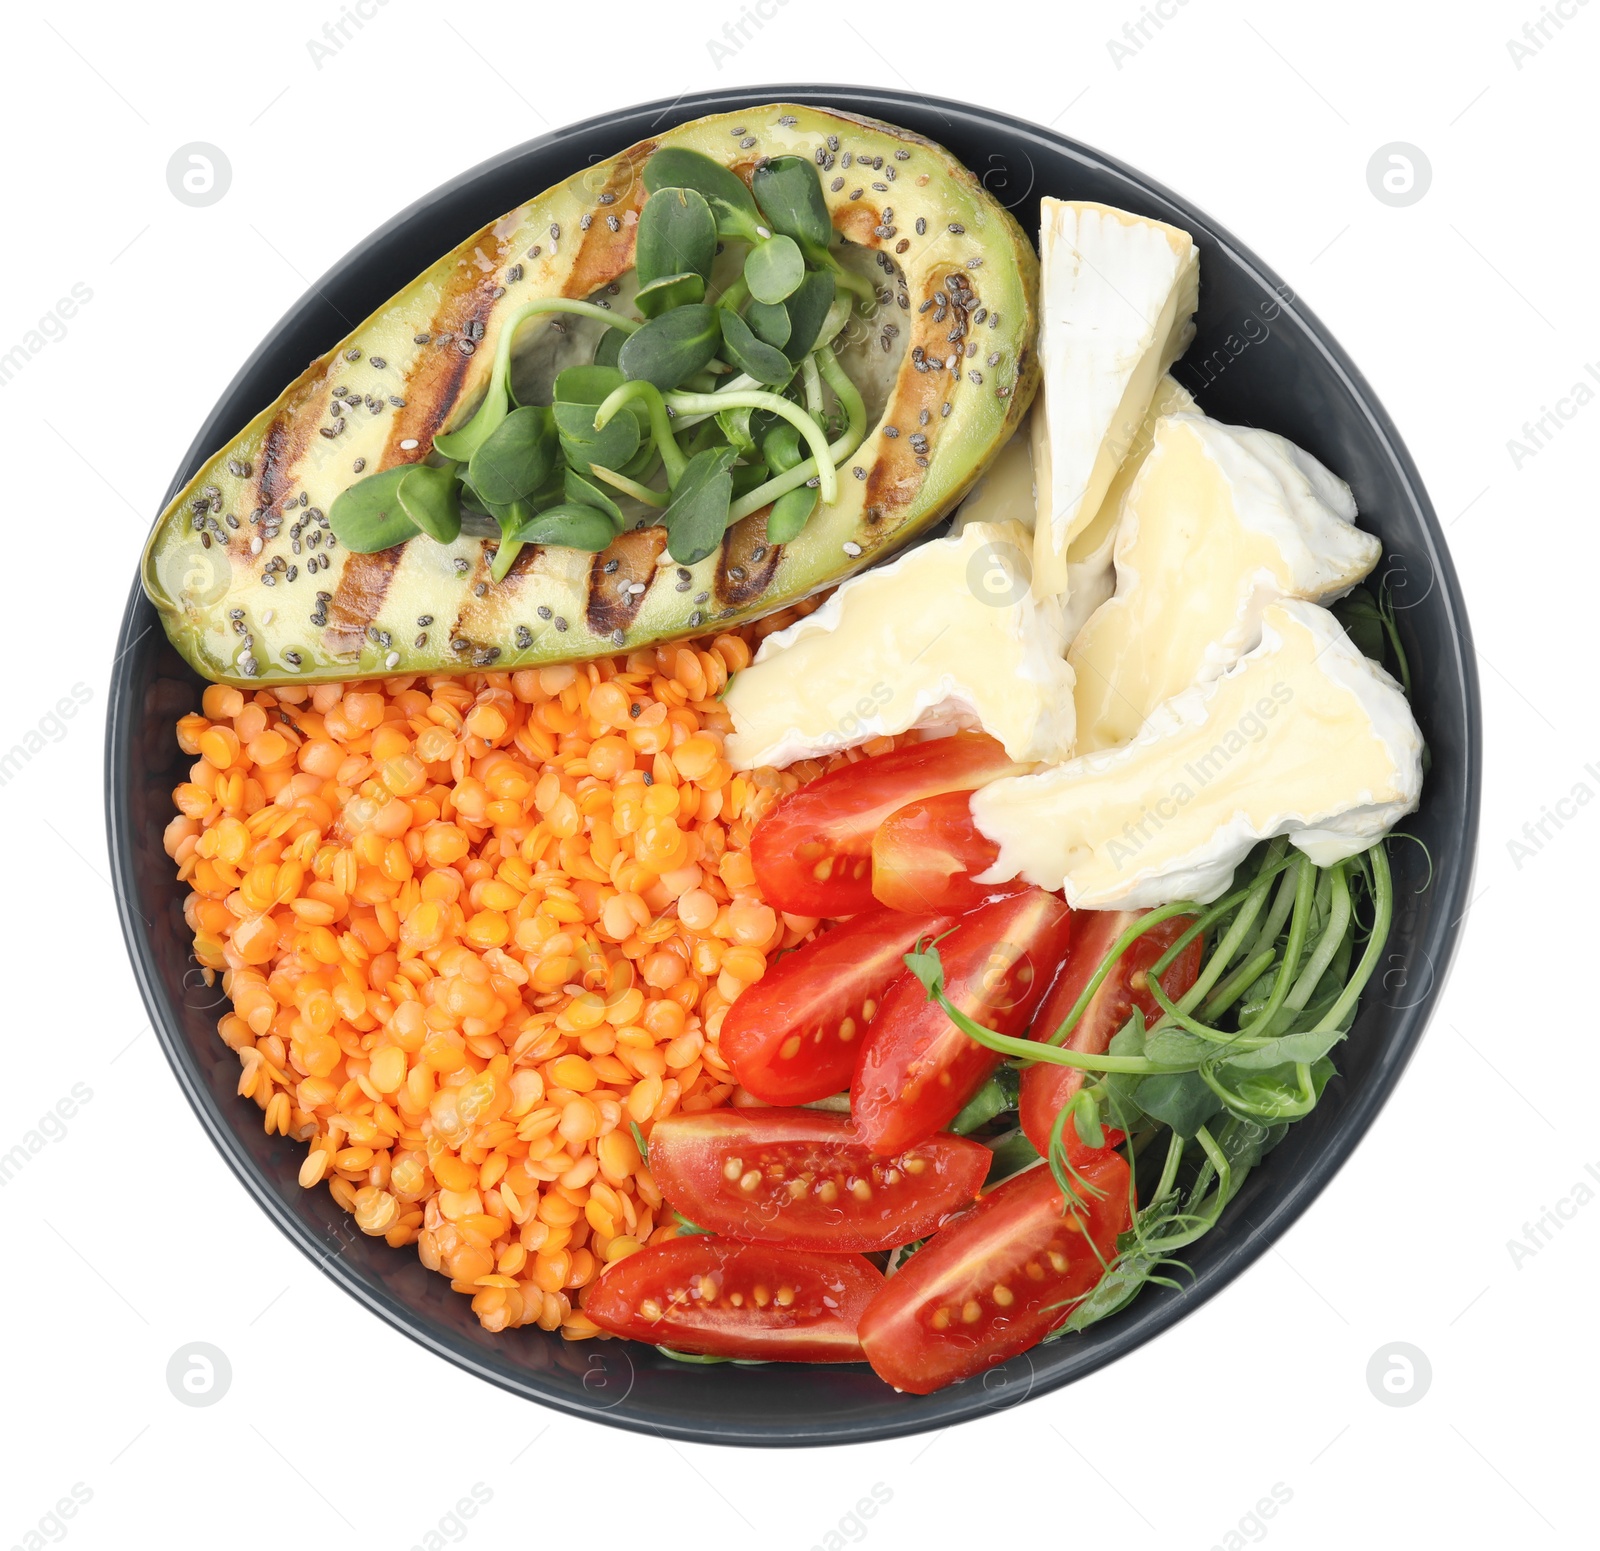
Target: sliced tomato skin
[
  {"x": 659, "y": 1295},
  {"x": 918, "y": 1068},
  {"x": 917, "y": 1332},
  {"x": 925, "y": 854},
  {"x": 813, "y": 853},
  {"x": 831, "y": 985},
  {"x": 1046, "y": 1088},
  {"x": 815, "y": 1185}
]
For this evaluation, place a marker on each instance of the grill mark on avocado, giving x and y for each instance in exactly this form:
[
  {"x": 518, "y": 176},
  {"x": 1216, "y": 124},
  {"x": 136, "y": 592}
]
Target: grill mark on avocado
[
  {"x": 611, "y": 604},
  {"x": 604, "y": 254},
  {"x": 433, "y": 386},
  {"x": 363, "y": 581},
  {"x": 277, "y": 458},
  {"x": 740, "y": 545},
  {"x": 895, "y": 476}
]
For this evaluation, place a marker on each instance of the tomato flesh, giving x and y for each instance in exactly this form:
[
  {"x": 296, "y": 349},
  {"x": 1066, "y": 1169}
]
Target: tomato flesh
[
  {"x": 1045, "y": 1089},
  {"x": 813, "y": 853},
  {"x": 918, "y": 1068},
  {"x": 805, "y": 1179},
  {"x": 796, "y": 1034},
  {"x": 716, "y": 1298},
  {"x": 925, "y": 854},
  {"x": 996, "y": 1279}
]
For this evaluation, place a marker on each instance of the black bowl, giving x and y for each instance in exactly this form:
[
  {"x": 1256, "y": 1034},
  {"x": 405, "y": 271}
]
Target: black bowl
[{"x": 1259, "y": 358}]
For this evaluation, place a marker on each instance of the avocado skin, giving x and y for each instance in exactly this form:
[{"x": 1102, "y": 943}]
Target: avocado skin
[{"x": 252, "y": 592}]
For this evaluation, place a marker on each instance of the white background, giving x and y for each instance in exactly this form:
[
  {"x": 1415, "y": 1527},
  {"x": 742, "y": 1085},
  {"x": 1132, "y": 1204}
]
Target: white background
[{"x": 1468, "y": 310}]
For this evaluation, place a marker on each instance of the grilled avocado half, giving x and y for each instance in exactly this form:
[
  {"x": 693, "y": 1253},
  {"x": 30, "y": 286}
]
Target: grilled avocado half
[{"x": 253, "y": 587}]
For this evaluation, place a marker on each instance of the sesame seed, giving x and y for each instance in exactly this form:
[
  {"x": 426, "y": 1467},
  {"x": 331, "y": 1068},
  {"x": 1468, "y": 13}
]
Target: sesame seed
[
  {"x": 392, "y": 660},
  {"x": 852, "y": 549},
  {"x": 408, "y": 444}
]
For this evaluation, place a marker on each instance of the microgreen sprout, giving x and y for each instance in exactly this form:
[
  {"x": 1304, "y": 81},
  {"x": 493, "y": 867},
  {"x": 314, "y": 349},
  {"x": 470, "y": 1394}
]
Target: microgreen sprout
[{"x": 687, "y": 390}]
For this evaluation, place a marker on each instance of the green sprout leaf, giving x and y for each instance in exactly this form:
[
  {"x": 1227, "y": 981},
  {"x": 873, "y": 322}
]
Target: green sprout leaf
[
  {"x": 807, "y": 310},
  {"x": 774, "y": 269},
  {"x": 583, "y": 492},
  {"x": 609, "y": 347},
  {"x": 698, "y": 515},
  {"x": 723, "y": 189},
  {"x": 754, "y": 356},
  {"x": 461, "y": 444},
  {"x": 516, "y": 458},
  {"x": 677, "y": 235},
  {"x": 368, "y": 516},
  {"x": 769, "y": 321},
  {"x": 666, "y": 293},
  {"x": 790, "y": 196},
  {"x": 583, "y": 444},
  {"x": 924, "y": 963},
  {"x": 674, "y": 346},
  {"x": 432, "y": 499},
  {"x": 790, "y": 513},
  {"x": 567, "y": 525}
]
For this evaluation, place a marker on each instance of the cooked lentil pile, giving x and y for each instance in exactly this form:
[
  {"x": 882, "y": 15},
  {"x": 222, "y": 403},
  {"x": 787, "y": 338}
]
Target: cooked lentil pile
[{"x": 479, "y": 933}]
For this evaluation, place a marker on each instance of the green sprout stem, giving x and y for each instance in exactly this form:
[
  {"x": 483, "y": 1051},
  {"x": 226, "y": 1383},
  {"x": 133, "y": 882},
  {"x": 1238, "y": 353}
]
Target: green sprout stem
[
  {"x": 773, "y": 404},
  {"x": 661, "y": 427},
  {"x": 628, "y": 486},
  {"x": 837, "y": 450}
]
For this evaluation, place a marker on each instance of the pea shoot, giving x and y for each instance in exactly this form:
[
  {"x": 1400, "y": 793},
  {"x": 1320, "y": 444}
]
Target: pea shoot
[{"x": 1216, "y": 1078}]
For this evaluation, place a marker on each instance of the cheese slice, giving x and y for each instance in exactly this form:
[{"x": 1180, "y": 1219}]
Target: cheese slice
[
  {"x": 1007, "y": 493},
  {"x": 1220, "y": 522},
  {"x": 947, "y": 635},
  {"x": 1091, "y": 570},
  {"x": 1117, "y": 300},
  {"x": 1304, "y": 737}
]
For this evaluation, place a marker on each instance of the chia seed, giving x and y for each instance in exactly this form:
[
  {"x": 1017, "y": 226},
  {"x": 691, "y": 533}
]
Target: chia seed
[
  {"x": 543, "y": 611},
  {"x": 561, "y": 624}
]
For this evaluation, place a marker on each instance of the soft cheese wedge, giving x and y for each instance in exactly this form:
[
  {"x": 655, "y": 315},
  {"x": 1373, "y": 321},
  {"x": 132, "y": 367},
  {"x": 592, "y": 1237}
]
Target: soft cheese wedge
[
  {"x": 1117, "y": 301},
  {"x": 1007, "y": 493},
  {"x": 1220, "y": 522},
  {"x": 943, "y": 636},
  {"x": 1304, "y": 737}
]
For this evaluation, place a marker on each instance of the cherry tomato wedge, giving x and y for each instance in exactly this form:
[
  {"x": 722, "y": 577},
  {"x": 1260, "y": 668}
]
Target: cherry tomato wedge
[
  {"x": 795, "y": 1035},
  {"x": 918, "y": 1068},
  {"x": 813, "y": 853},
  {"x": 1046, "y": 1088},
  {"x": 716, "y": 1298},
  {"x": 804, "y": 1179},
  {"x": 924, "y": 856},
  {"x": 995, "y": 1280}
]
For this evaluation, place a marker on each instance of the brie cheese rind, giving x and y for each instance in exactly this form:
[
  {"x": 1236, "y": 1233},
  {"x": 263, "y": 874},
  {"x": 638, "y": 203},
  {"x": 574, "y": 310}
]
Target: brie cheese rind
[
  {"x": 1220, "y": 522},
  {"x": 1117, "y": 301},
  {"x": 944, "y": 636},
  {"x": 1304, "y": 737},
  {"x": 1091, "y": 573}
]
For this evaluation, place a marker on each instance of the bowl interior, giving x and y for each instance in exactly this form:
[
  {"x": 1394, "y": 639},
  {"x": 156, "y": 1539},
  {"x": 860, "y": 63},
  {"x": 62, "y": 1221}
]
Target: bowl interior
[{"x": 1259, "y": 358}]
